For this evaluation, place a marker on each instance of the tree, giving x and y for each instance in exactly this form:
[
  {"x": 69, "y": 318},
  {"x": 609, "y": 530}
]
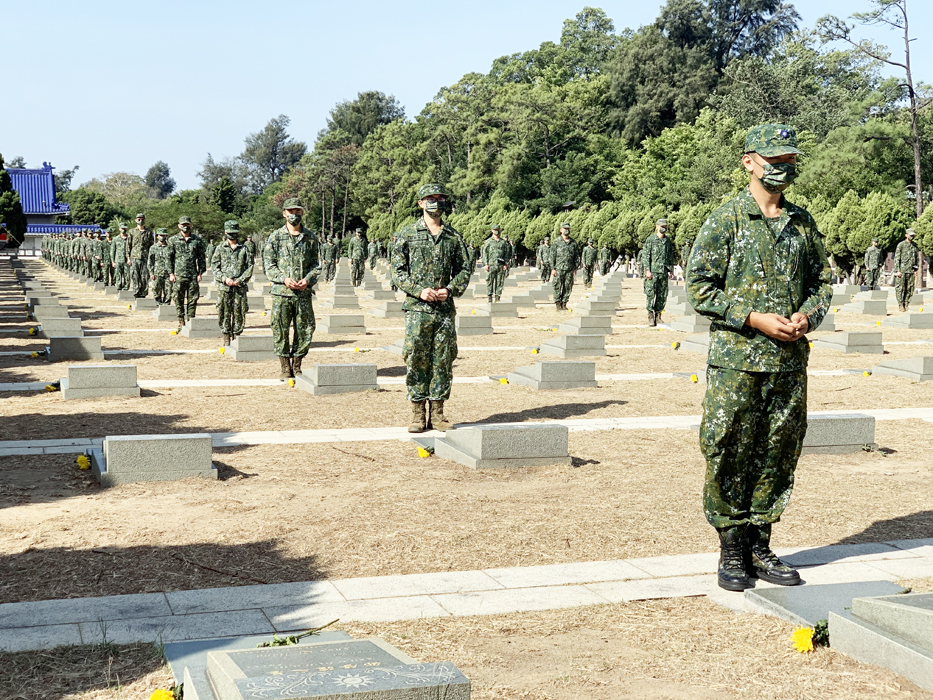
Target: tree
[
  {"x": 356, "y": 119},
  {"x": 838, "y": 227},
  {"x": 12, "y": 218},
  {"x": 126, "y": 190},
  {"x": 159, "y": 180},
  {"x": 63, "y": 180},
  {"x": 17, "y": 162},
  {"x": 224, "y": 195},
  {"x": 587, "y": 42},
  {"x": 882, "y": 217},
  {"x": 892, "y": 13},
  {"x": 748, "y": 28},
  {"x": 91, "y": 207},
  {"x": 269, "y": 153},
  {"x": 213, "y": 171}
]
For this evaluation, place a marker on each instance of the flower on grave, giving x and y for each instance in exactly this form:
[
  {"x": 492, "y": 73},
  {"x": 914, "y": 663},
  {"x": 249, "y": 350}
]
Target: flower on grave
[
  {"x": 694, "y": 378},
  {"x": 503, "y": 380},
  {"x": 162, "y": 694},
  {"x": 534, "y": 351},
  {"x": 473, "y": 312},
  {"x": 835, "y": 311},
  {"x": 356, "y": 349},
  {"x": 173, "y": 333},
  {"x": 877, "y": 323},
  {"x": 811, "y": 345},
  {"x": 291, "y": 382},
  {"x": 675, "y": 345},
  {"x": 32, "y": 331},
  {"x": 263, "y": 313},
  {"x": 34, "y": 354},
  {"x": 866, "y": 373},
  {"x": 129, "y": 306},
  {"x": 423, "y": 453},
  {"x": 83, "y": 462},
  {"x": 51, "y": 387},
  {"x": 222, "y": 350},
  {"x": 802, "y": 639}
]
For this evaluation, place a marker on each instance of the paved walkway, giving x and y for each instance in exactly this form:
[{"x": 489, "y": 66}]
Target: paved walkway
[{"x": 277, "y": 608}]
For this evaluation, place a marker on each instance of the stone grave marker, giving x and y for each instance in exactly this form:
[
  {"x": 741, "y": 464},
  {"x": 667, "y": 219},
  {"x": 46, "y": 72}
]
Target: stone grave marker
[
  {"x": 834, "y": 434},
  {"x": 337, "y": 379},
  {"x": 505, "y": 446},
  {"x": 126, "y": 459},
  {"x": 867, "y": 307},
  {"x": 42, "y": 312},
  {"x": 691, "y": 323},
  {"x": 125, "y": 295},
  {"x": 54, "y": 327},
  {"x": 587, "y": 325},
  {"x": 864, "y": 342},
  {"x": 389, "y": 309},
  {"x": 497, "y": 309},
  {"x": 74, "y": 348},
  {"x": 97, "y": 381},
  {"x": 910, "y": 320},
  {"x": 555, "y": 375},
  {"x": 569, "y": 347},
  {"x": 593, "y": 307},
  {"x": 144, "y": 304},
  {"x": 696, "y": 343},
  {"x": 919, "y": 369},
  {"x": 165, "y": 312},
  {"x": 343, "y": 324},
  {"x": 251, "y": 348},
  {"x": 473, "y": 325},
  {"x": 202, "y": 327}
]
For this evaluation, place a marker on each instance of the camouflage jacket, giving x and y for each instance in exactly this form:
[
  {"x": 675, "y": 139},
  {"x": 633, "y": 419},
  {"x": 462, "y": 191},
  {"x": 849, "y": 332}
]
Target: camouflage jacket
[
  {"x": 873, "y": 258},
  {"x": 588, "y": 256},
  {"x": 496, "y": 252},
  {"x": 158, "y": 261},
  {"x": 291, "y": 256},
  {"x": 659, "y": 255},
  {"x": 543, "y": 254},
  {"x": 209, "y": 248},
  {"x": 738, "y": 266},
  {"x": 604, "y": 255},
  {"x": 235, "y": 263},
  {"x": 356, "y": 250},
  {"x": 327, "y": 250},
  {"x": 421, "y": 260},
  {"x": 373, "y": 249},
  {"x": 186, "y": 258},
  {"x": 105, "y": 252},
  {"x": 120, "y": 248},
  {"x": 138, "y": 244},
  {"x": 906, "y": 257},
  {"x": 565, "y": 257}
]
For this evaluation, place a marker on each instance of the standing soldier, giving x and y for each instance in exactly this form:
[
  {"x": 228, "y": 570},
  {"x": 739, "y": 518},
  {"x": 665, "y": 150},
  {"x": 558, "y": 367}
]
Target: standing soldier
[
  {"x": 97, "y": 256},
  {"x": 209, "y": 248},
  {"x": 495, "y": 263},
  {"x": 106, "y": 258},
  {"x": 544, "y": 259},
  {"x": 565, "y": 260},
  {"x": 659, "y": 263},
  {"x": 186, "y": 264},
  {"x": 120, "y": 252},
  {"x": 334, "y": 257},
  {"x": 233, "y": 266},
  {"x": 430, "y": 265},
  {"x": 326, "y": 249},
  {"x": 356, "y": 251},
  {"x": 140, "y": 241},
  {"x": 292, "y": 264},
  {"x": 159, "y": 268},
  {"x": 906, "y": 262},
  {"x": 759, "y": 272},
  {"x": 373, "y": 252},
  {"x": 874, "y": 257},
  {"x": 472, "y": 256},
  {"x": 605, "y": 260},
  {"x": 588, "y": 258}
]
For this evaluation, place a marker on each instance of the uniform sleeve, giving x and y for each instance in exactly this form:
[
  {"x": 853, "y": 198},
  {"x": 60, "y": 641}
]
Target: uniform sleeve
[
  {"x": 401, "y": 269},
  {"x": 170, "y": 255},
  {"x": 315, "y": 267},
  {"x": 247, "y": 268},
  {"x": 215, "y": 259},
  {"x": 270, "y": 259},
  {"x": 460, "y": 272},
  {"x": 201, "y": 254},
  {"x": 817, "y": 291}
]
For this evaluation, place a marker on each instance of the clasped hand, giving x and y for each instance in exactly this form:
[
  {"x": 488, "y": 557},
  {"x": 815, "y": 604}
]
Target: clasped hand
[
  {"x": 298, "y": 286},
  {"x": 430, "y": 294},
  {"x": 778, "y": 327}
]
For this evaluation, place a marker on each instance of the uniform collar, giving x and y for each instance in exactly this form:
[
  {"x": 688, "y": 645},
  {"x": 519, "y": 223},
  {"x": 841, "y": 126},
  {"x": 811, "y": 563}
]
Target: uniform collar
[
  {"x": 421, "y": 226},
  {"x": 750, "y": 206}
]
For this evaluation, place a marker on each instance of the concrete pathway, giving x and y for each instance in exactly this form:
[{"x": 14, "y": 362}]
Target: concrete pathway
[{"x": 277, "y": 608}]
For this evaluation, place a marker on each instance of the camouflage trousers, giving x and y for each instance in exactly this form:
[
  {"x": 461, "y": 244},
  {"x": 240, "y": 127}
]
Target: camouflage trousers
[
  {"x": 588, "y": 275},
  {"x": 656, "y": 292},
  {"x": 162, "y": 289},
  {"x": 430, "y": 350},
  {"x": 563, "y": 285},
  {"x": 356, "y": 271},
  {"x": 121, "y": 275},
  {"x": 97, "y": 271},
  {"x": 495, "y": 278},
  {"x": 231, "y": 310},
  {"x": 287, "y": 313},
  {"x": 604, "y": 268},
  {"x": 108, "y": 274},
  {"x": 904, "y": 287},
  {"x": 139, "y": 277},
  {"x": 751, "y": 435},
  {"x": 545, "y": 273},
  {"x": 871, "y": 278},
  {"x": 185, "y": 294},
  {"x": 330, "y": 269}
]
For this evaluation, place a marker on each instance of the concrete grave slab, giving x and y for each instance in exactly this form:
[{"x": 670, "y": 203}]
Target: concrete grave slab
[
  {"x": 569, "y": 347},
  {"x": 839, "y": 434},
  {"x": 587, "y": 325},
  {"x": 389, "y": 309},
  {"x": 202, "y": 327},
  {"x": 165, "y": 312},
  {"x": 909, "y": 616},
  {"x": 910, "y": 320},
  {"x": 807, "y": 605},
  {"x": 499, "y": 309},
  {"x": 144, "y": 304},
  {"x": 343, "y": 324},
  {"x": 74, "y": 348},
  {"x": 126, "y": 459},
  {"x": 473, "y": 325},
  {"x": 337, "y": 379},
  {"x": 691, "y": 324},
  {"x": 251, "y": 348},
  {"x": 504, "y": 446},
  {"x": 866, "y": 307},
  {"x": 97, "y": 381},
  {"x": 919, "y": 369},
  {"x": 861, "y": 342},
  {"x": 57, "y": 327},
  {"x": 555, "y": 375}
]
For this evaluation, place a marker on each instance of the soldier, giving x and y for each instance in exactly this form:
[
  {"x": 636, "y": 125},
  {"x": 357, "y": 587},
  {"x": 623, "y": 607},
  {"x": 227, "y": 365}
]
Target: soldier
[
  {"x": 373, "y": 252},
  {"x": 874, "y": 257},
  {"x": 209, "y": 249},
  {"x": 496, "y": 263},
  {"x": 510, "y": 255},
  {"x": 186, "y": 264},
  {"x": 906, "y": 262},
  {"x": 659, "y": 263},
  {"x": 356, "y": 251},
  {"x": 544, "y": 259},
  {"x": 96, "y": 256},
  {"x": 233, "y": 266},
  {"x": 140, "y": 241},
  {"x": 430, "y": 265},
  {"x": 292, "y": 263},
  {"x": 159, "y": 269},
  {"x": 472, "y": 256},
  {"x": 605, "y": 260},
  {"x": 588, "y": 259},
  {"x": 326, "y": 251},
  {"x": 120, "y": 259},
  {"x": 759, "y": 272},
  {"x": 334, "y": 257},
  {"x": 106, "y": 258},
  {"x": 565, "y": 260}
]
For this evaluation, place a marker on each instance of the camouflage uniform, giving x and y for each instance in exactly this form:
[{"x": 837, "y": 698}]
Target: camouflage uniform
[
  {"x": 874, "y": 257},
  {"x": 906, "y": 261},
  {"x": 186, "y": 261},
  {"x": 659, "y": 260},
  {"x": 356, "y": 251},
  {"x": 544, "y": 260},
  {"x": 605, "y": 260},
  {"x": 296, "y": 257},
  {"x": 419, "y": 261},
  {"x": 588, "y": 260},
  {"x": 106, "y": 261},
  {"x": 755, "y": 409},
  {"x": 139, "y": 243},
  {"x": 565, "y": 260},
  {"x": 495, "y": 257},
  {"x": 159, "y": 269},
  {"x": 236, "y": 264},
  {"x": 119, "y": 252},
  {"x": 327, "y": 250},
  {"x": 373, "y": 251}
]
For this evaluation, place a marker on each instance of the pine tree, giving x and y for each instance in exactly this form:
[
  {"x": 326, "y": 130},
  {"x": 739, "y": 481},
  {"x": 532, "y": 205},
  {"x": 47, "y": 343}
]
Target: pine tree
[{"x": 12, "y": 218}]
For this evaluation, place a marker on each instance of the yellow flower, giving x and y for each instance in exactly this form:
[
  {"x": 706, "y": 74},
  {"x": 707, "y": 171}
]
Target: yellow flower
[
  {"x": 162, "y": 694},
  {"x": 173, "y": 333},
  {"x": 866, "y": 373},
  {"x": 694, "y": 378},
  {"x": 263, "y": 313},
  {"x": 32, "y": 331},
  {"x": 835, "y": 311},
  {"x": 811, "y": 345},
  {"x": 675, "y": 345},
  {"x": 291, "y": 382},
  {"x": 34, "y": 354},
  {"x": 473, "y": 312},
  {"x": 51, "y": 387},
  {"x": 83, "y": 462},
  {"x": 356, "y": 349},
  {"x": 877, "y": 323},
  {"x": 222, "y": 350},
  {"x": 803, "y": 639},
  {"x": 503, "y": 380},
  {"x": 423, "y": 453},
  {"x": 534, "y": 351},
  {"x": 129, "y": 306}
]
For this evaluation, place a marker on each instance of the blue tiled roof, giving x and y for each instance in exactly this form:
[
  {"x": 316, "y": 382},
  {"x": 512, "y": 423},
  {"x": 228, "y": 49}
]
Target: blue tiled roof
[{"x": 36, "y": 189}]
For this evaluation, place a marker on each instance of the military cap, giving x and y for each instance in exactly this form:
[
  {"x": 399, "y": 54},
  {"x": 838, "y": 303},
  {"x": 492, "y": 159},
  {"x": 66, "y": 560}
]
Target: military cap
[
  {"x": 496, "y": 227},
  {"x": 565, "y": 225},
  {"x": 358, "y": 230},
  {"x": 292, "y": 203},
  {"x": 140, "y": 216},
  {"x": 184, "y": 220},
  {"x": 771, "y": 140},
  {"x": 123, "y": 226},
  {"x": 661, "y": 222},
  {"x": 547, "y": 239},
  {"x": 874, "y": 240},
  {"x": 161, "y": 232},
  {"x": 590, "y": 240},
  {"x": 911, "y": 232},
  {"x": 429, "y": 189},
  {"x": 231, "y": 225}
]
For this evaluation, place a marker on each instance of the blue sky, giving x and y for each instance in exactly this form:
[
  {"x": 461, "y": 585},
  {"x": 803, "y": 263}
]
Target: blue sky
[{"x": 117, "y": 86}]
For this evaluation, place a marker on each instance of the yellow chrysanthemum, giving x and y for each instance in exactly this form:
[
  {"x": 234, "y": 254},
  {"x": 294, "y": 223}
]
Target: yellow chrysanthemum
[
  {"x": 802, "y": 639},
  {"x": 173, "y": 333},
  {"x": 675, "y": 345},
  {"x": 534, "y": 351},
  {"x": 51, "y": 387},
  {"x": 811, "y": 345},
  {"x": 32, "y": 331},
  {"x": 694, "y": 378},
  {"x": 503, "y": 380},
  {"x": 835, "y": 311},
  {"x": 263, "y": 313},
  {"x": 162, "y": 694},
  {"x": 473, "y": 312},
  {"x": 83, "y": 462},
  {"x": 222, "y": 350},
  {"x": 129, "y": 306},
  {"x": 356, "y": 349},
  {"x": 877, "y": 323},
  {"x": 34, "y": 354},
  {"x": 291, "y": 382},
  {"x": 423, "y": 453},
  {"x": 866, "y": 373}
]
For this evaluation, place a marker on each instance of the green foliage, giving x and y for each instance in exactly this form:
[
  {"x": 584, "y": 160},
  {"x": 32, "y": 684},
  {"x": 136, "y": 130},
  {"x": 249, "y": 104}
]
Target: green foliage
[
  {"x": 12, "y": 219},
  {"x": 353, "y": 121},
  {"x": 269, "y": 153},
  {"x": 924, "y": 229},
  {"x": 884, "y": 218},
  {"x": 207, "y": 218},
  {"x": 839, "y": 225},
  {"x": 159, "y": 180},
  {"x": 91, "y": 207}
]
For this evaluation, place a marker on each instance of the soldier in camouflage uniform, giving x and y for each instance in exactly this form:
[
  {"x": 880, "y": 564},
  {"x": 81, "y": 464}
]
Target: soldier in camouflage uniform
[
  {"x": 209, "y": 249},
  {"x": 874, "y": 258},
  {"x": 565, "y": 260},
  {"x": 605, "y": 260},
  {"x": 106, "y": 258},
  {"x": 233, "y": 266},
  {"x": 496, "y": 253},
  {"x": 292, "y": 263},
  {"x": 186, "y": 265},
  {"x": 588, "y": 260},
  {"x": 906, "y": 262},
  {"x": 544, "y": 259},
  {"x": 373, "y": 251},
  {"x": 759, "y": 272},
  {"x": 659, "y": 263},
  {"x": 356, "y": 251},
  {"x": 140, "y": 241},
  {"x": 327, "y": 249},
  {"x": 159, "y": 268},
  {"x": 120, "y": 254},
  {"x": 430, "y": 265}
]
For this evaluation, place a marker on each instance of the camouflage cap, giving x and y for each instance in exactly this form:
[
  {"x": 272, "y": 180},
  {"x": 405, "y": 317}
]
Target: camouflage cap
[
  {"x": 184, "y": 220},
  {"x": 910, "y": 232},
  {"x": 140, "y": 216},
  {"x": 161, "y": 232},
  {"x": 231, "y": 226},
  {"x": 565, "y": 225},
  {"x": 292, "y": 203},
  {"x": 358, "y": 230},
  {"x": 771, "y": 140},
  {"x": 496, "y": 227},
  {"x": 661, "y": 222},
  {"x": 429, "y": 189},
  {"x": 123, "y": 226},
  {"x": 590, "y": 240}
]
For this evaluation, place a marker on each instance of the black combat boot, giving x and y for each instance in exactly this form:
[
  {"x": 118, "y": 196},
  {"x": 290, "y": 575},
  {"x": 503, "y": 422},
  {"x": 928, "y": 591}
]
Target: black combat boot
[
  {"x": 732, "y": 575},
  {"x": 497, "y": 299},
  {"x": 558, "y": 305},
  {"x": 181, "y": 323},
  {"x": 765, "y": 563},
  {"x": 489, "y": 299},
  {"x": 226, "y": 339}
]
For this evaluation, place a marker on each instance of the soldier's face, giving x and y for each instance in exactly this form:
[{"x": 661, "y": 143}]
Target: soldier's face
[
  {"x": 140, "y": 221},
  {"x": 565, "y": 234}
]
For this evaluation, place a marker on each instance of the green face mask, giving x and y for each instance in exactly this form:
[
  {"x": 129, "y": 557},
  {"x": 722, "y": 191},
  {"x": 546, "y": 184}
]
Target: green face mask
[
  {"x": 777, "y": 177},
  {"x": 434, "y": 208},
  {"x": 294, "y": 219}
]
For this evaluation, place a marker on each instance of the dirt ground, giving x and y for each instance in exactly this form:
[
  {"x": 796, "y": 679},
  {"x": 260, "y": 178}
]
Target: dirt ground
[{"x": 283, "y": 513}]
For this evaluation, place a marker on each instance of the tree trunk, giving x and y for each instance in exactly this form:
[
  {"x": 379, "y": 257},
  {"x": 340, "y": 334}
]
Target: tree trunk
[{"x": 914, "y": 131}]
